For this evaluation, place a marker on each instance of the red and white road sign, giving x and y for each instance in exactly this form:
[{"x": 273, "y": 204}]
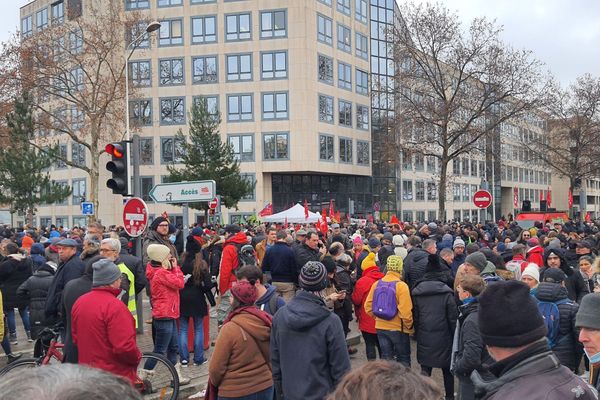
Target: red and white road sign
[
  {"x": 482, "y": 199},
  {"x": 135, "y": 216},
  {"x": 214, "y": 203}
]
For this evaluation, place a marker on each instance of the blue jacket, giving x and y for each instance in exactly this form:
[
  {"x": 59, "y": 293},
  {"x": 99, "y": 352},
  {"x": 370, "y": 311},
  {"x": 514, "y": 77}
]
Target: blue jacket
[
  {"x": 280, "y": 260},
  {"x": 264, "y": 303},
  {"x": 309, "y": 355}
]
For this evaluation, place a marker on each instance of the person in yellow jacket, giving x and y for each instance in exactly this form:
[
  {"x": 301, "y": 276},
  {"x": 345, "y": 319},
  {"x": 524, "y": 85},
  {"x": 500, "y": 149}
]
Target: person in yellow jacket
[{"x": 393, "y": 334}]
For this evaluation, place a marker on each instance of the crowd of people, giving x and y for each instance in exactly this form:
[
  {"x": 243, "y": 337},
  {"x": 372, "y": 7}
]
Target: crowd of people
[{"x": 505, "y": 311}]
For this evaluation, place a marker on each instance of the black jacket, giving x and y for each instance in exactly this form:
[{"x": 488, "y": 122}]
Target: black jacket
[
  {"x": 14, "y": 270},
  {"x": 280, "y": 260},
  {"x": 567, "y": 348},
  {"x": 193, "y": 296},
  {"x": 303, "y": 254},
  {"x": 471, "y": 353},
  {"x": 414, "y": 266},
  {"x": 576, "y": 286},
  {"x": 73, "y": 290},
  {"x": 309, "y": 355},
  {"x": 67, "y": 271},
  {"x": 435, "y": 314},
  {"x": 214, "y": 251},
  {"x": 137, "y": 268},
  {"x": 35, "y": 291}
]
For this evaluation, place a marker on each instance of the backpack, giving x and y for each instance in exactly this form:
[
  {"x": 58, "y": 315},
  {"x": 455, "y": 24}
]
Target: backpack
[
  {"x": 384, "y": 300},
  {"x": 273, "y": 303},
  {"x": 551, "y": 315},
  {"x": 246, "y": 255}
]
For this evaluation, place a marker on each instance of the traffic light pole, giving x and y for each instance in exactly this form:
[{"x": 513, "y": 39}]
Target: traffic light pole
[{"x": 135, "y": 157}]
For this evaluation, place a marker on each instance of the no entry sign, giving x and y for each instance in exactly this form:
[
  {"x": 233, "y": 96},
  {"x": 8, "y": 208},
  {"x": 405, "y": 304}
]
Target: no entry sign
[
  {"x": 482, "y": 199},
  {"x": 135, "y": 216}
]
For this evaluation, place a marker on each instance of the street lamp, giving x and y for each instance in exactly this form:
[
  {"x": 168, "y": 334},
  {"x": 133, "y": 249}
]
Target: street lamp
[{"x": 151, "y": 27}]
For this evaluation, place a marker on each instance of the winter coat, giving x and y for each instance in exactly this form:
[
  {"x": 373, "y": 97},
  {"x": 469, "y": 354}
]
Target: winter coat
[
  {"x": 403, "y": 320},
  {"x": 165, "y": 285},
  {"x": 136, "y": 266},
  {"x": 104, "y": 333},
  {"x": 37, "y": 255},
  {"x": 366, "y": 323},
  {"x": 574, "y": 283},
  {"x": 414, "y": 266},
  {"x": 264, "y": 303},
  {"x": 229, "y": 261},
  {"x": 534, "y": 373},
  {"x": 152, "y": 237},
  {"x": 14, "y": 270},
  {"x": 383, "y": 254},
  {"x": 1, "y": 320},
  {"x": 536, "y": 255},
  {"x": 567, "y": 348},
  {"x": 303, "y": 254},
  {"x": 435, "y": 315},
  {"x": 214, "y": 257},
  {"x": 458, "y": 261},
  {"x": 74, "y": 289},
  {"x": 192, "y": 298},
  {"x": 261, "y": 250},
  {"x": 67, "y": 271},
  {"x": 35, "y": 291},
  {"x": 279, "y": 260},
  {"x": 308, "y": 349},
  {"x": 239, "y": 365}
]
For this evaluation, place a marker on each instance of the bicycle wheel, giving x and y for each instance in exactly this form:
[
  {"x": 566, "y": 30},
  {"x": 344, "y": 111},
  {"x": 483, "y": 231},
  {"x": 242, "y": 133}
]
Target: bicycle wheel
[
  {"x": 161, "y": 380},
  {"x": 19, "y": 366}
]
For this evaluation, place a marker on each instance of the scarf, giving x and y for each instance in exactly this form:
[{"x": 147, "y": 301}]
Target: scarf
[{"x": 263, "y": 316}]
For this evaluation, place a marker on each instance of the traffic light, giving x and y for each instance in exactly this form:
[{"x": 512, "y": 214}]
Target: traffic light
[{"x": 118, "y": 167}]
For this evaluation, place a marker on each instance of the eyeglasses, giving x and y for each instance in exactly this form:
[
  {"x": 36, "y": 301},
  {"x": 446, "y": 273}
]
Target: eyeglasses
[{"x": 163, "y": 225}]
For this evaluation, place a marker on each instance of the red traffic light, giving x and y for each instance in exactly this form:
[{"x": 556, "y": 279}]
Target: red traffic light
[{"x": 115, "y": 149}]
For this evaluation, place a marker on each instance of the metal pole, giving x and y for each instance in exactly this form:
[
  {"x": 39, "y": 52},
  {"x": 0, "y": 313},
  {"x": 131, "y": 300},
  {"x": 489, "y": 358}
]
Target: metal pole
[
  {"x": 186, "y": 218},
  {"x": 135, "y": 152}
]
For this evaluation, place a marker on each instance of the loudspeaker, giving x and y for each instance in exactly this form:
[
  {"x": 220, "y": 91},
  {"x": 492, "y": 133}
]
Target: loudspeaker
[
  {"x": 526, "y": 205},
  {"x": 543, "y": 205}
]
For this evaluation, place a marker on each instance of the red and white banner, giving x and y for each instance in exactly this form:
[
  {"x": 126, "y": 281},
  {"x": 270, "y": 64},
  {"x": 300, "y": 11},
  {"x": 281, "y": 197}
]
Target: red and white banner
[{"x": 516, "y": 197}]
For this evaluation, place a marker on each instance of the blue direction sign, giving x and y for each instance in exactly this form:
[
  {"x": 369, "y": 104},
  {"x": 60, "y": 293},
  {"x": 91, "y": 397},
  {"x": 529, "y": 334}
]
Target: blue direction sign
[{"x": 87, "y": 208}]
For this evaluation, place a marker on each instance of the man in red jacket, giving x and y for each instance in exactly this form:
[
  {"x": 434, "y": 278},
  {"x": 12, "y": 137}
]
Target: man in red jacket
[
  {"x": 229, "y": 263},
  {"x": 102, "y": 327}
]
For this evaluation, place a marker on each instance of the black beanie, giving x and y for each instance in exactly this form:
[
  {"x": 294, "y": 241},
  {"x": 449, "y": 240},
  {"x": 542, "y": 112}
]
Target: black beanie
[
  {"x": 434, "y": 265},
  {"x": 509, "y": 315},
  {"x": 313, "y": 276},
  {"x": 157, "y": 221}
]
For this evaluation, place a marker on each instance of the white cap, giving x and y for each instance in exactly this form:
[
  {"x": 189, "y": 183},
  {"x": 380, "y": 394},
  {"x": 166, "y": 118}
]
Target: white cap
[{"x": 533, "y": 271}]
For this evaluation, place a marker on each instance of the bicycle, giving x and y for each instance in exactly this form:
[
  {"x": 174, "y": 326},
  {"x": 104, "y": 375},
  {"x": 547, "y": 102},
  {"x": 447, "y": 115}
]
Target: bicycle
[{"x": 163, "y": 380}]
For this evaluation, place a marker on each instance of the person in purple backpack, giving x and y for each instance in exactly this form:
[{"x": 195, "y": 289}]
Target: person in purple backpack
[{"x": 390, "y": 304}]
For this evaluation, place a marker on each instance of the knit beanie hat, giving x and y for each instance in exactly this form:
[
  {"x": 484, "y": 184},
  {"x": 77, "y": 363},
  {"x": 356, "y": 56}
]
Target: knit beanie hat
[
  {"x": 434, "y": 265},
  {"x": 458, "y": 242},
  {"x": 368, "y": 262},
  {"x": 244, "y": 292},
  {"x": 477, "y": 260},
  {"x": 395, "y": 264},
  {"x": 313, "y": 276},
  {"x": 554, "y": 275},
  {"x": 533, "y": 242},
  {"x": 159, "y": 253},
  {"x": 329, "y": 264},
  {"x": 156, "y": 222},
  {"x": 374, "y": 242},
  {"x": 105, "y": 272},
  {"x": 357, "y": 240},
  {"x": 398, "y": 240},
  {"x": 533, "y": 271},
  {"x": 509, "y": 315},
  {"x": 588, "y": 316}
]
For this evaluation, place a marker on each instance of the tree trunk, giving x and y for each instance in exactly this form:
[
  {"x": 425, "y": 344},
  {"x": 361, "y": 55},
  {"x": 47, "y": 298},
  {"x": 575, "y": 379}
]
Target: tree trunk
[{"x": 442, "y": 189}]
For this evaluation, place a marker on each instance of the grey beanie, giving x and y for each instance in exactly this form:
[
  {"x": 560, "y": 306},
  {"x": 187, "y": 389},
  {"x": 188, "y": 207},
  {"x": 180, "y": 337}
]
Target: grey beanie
[
  {"x": 477, "y": 259},
  {"x": 105, "y": 272},
  {"x": 588, "y": 316}
]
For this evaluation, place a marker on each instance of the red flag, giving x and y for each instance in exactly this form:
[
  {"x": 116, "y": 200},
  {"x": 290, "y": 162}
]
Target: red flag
[
  {"x": 305, "y": 209},
  {"x": 323, "y": 224},
  {"x": 516, "y": 197},
  {"x": 370, "y": 218},
  {"x": 338, "y": 216},
  {"x": 268, "y": 210},
  {"x": 394, "y": 220},
  {"x": 549, "y": 197},
  {"x": 541, "y": 195},
  {"x": 285, "y": 226},
  {"x": 331, "y": 212},
  {"x": 570, "y": 197},
  {"x": 588, "y": 217},
  {"x": 296, "y": 227}
]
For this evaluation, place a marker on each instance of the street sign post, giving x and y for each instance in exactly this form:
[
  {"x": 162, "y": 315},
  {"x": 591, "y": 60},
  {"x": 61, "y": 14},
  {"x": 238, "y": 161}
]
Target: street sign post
[
  {"x": 183, "y": 192},
  {"x": 482, "y": 199},
  {"x": 135, "y": 216},
  {"x": 87, "y": 208}
]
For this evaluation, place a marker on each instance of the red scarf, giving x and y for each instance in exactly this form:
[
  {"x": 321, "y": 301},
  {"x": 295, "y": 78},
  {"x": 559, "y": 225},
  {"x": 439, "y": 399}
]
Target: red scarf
[{"x": 263, "y": 316}]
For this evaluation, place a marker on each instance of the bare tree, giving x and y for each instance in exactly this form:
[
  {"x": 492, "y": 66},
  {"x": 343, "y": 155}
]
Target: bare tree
[
  {"x": 76, "y": 70},
  {"x": 455, "y": 87},
  {"x": 573, "y": 147}
]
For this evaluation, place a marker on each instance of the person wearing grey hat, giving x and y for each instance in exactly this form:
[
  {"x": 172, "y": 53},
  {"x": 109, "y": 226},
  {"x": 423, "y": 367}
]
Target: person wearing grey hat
[
  {"x": 102, "y": 327},
  {"x": 588, "y": 321},
  {"x": 477, "y": 264}
]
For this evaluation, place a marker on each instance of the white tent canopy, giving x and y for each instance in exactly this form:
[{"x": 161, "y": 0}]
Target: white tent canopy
[{"x": 294, "y": 215}]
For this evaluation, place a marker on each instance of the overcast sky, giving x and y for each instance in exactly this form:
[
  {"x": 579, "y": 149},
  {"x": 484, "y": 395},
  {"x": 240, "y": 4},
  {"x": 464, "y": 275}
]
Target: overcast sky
[{"x": 563, "y": 34}]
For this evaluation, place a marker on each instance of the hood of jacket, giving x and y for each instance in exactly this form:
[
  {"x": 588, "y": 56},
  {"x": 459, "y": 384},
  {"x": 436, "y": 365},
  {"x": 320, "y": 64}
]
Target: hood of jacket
[
  {"x": 17, "y": 257},
  {"x": 373, "y": 273},
  {"x": 306, "y": 310},
  {"x": 45, "y": 270},
  {"x": 37, "y": 248},
  {"x": 267, "y": 296},
  {"x": 428, "y": 288},
  {"x": 238, "y": 238},
  {"x": 401, "y": 251},
  {"x": 490, "y": 269},
  {"x": 151, "y": 272},
  {"x": 551, "y": 292},
  {"x": 559, "y": 252},
  {"x": 536, "y": 250},
  {"x": 253, "y": 326}
]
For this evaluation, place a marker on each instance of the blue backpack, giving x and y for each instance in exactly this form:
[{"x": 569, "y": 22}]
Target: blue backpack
[
  {"x": 384, "y": 300},
  {"x": 551, "y": 315}
]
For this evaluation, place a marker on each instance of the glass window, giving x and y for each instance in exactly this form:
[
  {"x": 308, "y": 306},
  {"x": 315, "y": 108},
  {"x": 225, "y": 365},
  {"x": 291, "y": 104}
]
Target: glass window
[
  {"x": 78, "y": 154},
  {"x": 239, "y": 107},
  {"x": 140, "y": 112},
  {"x": 345, "y": 113},
  {"x": 78, "y": 188},
  {"x": 431, "y": 164},
  {"x": 344, "y": 76},
  {"x": 58, "y": 12},
  {"x": 431, "y": 215},
  {"x": 252, "y": 179},
  {"x": 326, "y": 2},
  {"x": 456, "y": 192},
  {"x": 27, "y": 26},
  {"x": 203, "y": 1},
  {"x": 419, "y": 162},
  {"x": 361, "y": 11},
  {"x": 346, "y": 150},
  {"x": 431, "y": 191},
  {"x": 238, "y": 27},
  {"x": 325, "y": 69},
  {"x": 138, "y": 31},
  {"x": 239, "y": 67},
  {"x": 420, "y": 191},
  {"x": 77, "y": 118},
  {"x": 167, "y": 3},
  {"x": 172, "y": 111},
  {"x": 204, "y": 69},
  {"x": 324, "y": 29},
  {"x": 362, "y": 82},
  {"x": 140, "y": 74},
  {"x": 76, "y": 80},
  {"x": 407, "y": 190},
  {"x": 275, "y": 146},
  {"x": 465, "y": 193},
  {"x": 171, "y": 72},
  {"x": 363, "y": 153},
  {"x": 326, "y": 108},
  {"x": 211, "y": 102},
  {"x": 76, "y": 41},
  {"x": 171, "y": 32},
  {"x": 326, "y": 147},
  {"x": 407, "y": 216},
  {"x": 275, "y": 105},
  {"x": 146, "y": 151},
  {"x": 274, "y": 65},
  {"x": 204, "y": 29},
  {"x": 243, "y": 147},
  {"x": 273, "y": 24},
  {"x": 344, "y": 6},
  {"x": 146, "y": 185},
  {"x": 41, "y": 19},
  {"x": 171, "y": 150},
  {"x": 137, "y": 4},
  {"x": 362, "y": 117},
  {"x": 473, "y": 167},
  {"x": 362, "y": 46},
  {"x": 344, "y": 38}
]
